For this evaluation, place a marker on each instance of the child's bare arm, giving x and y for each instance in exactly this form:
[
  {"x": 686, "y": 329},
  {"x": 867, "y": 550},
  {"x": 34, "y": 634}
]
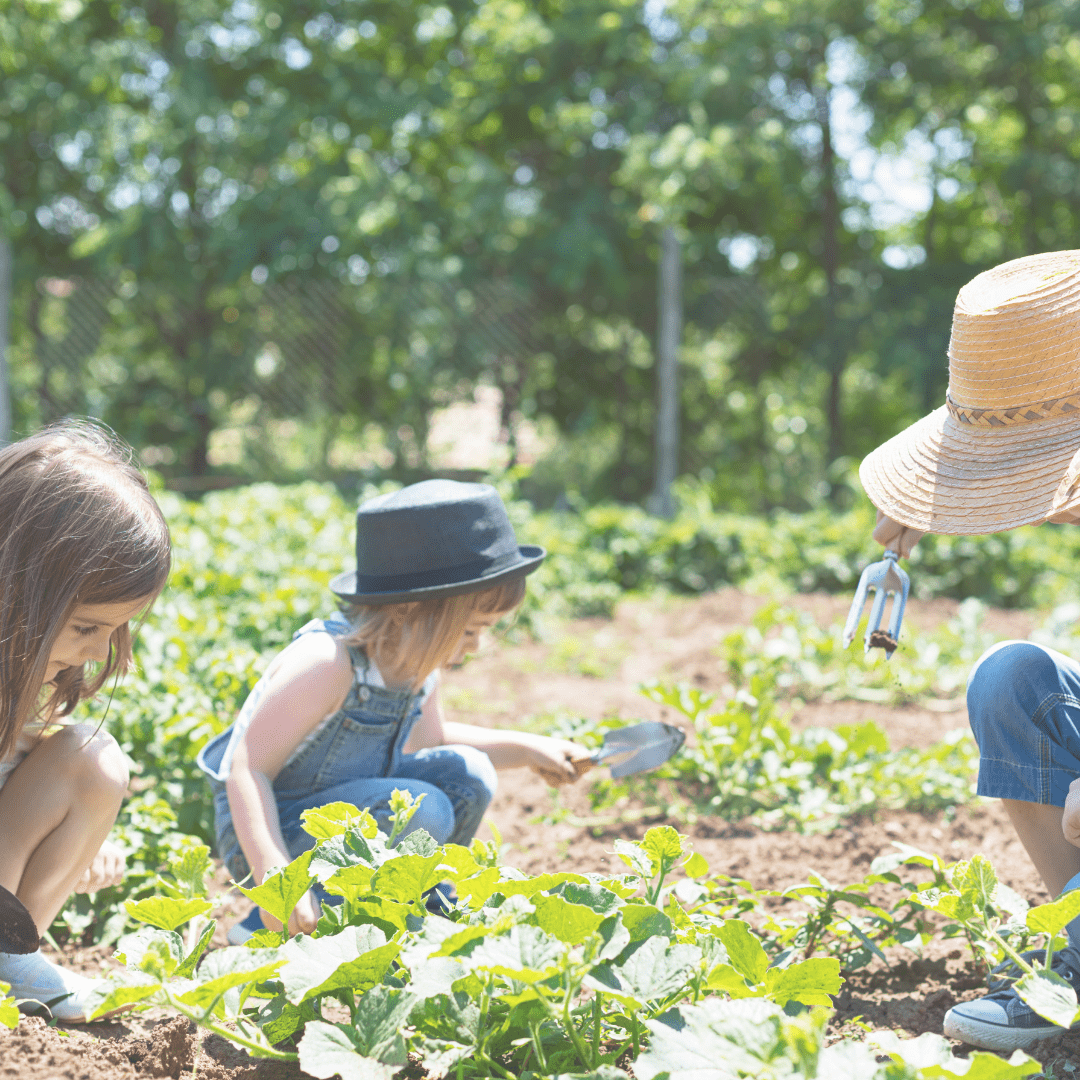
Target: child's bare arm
[
  {"x": 307, "y": 682},
  {"x": 1070, "y": 819},
  {"x": 551, "y": 758},
  {"x": 255, "y": 816}
]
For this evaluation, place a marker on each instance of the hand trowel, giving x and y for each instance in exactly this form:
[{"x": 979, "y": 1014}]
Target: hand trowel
[
  {"x": 18, "y": 934},
  {"x": 634, "y": 749}
]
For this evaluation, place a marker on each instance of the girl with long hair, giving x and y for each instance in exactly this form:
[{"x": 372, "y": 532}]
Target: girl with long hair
[{"x": 84, "y": 550}]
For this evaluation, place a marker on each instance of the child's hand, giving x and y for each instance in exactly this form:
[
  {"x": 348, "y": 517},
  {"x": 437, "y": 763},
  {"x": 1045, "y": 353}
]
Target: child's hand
[
  {"x": 106, "y": 870},
  {"x": 553, "y": 759},
  {"x": 1070, "y": 820},
  {"x": 303, "y": 920}
]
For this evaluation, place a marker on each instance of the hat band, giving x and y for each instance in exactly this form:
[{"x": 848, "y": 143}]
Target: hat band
[
  {"x": 423, "y": 579},
  {"x": 1017, "y": 414}
]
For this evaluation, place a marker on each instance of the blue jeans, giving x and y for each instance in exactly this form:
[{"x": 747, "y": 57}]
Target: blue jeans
[
  {"x": 1024, "y": 708},
  {"x": 457, "y": 782}
]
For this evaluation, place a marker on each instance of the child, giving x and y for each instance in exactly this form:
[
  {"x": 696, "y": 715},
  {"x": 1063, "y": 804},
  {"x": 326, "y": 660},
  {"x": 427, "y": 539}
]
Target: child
[
  {"x": 1001, "y": 453},
  {"x": 350, "y": 710},
  {"x": 83, "y": 551}
]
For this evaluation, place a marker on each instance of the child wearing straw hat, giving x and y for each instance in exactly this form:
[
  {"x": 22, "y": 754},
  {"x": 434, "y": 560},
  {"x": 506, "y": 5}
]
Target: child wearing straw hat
[
  {"x": 1004, "y": 451},
  {"x": 350, "y": 710}
]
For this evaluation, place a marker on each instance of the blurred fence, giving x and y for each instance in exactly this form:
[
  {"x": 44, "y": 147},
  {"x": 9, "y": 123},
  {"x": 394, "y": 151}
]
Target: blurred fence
[{"x": 301, "y": 349}]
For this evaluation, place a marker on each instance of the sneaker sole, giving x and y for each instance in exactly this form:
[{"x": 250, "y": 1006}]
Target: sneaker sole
[{"x": 986, "y": 1036}]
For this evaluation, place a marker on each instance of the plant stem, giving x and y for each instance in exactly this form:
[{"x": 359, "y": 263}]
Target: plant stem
[
  {"x": 1010, "y": 952},
  {"x": 597, "y": 1010},
  {"x": 202, "y": 1020},
  {"x": 566, "y": 1021},
  {"x": 665, "y": 866},
  {"x": 482, "y": 1055},
  {"x": 481, "y": 1052},
  {"x": 538, "y": 1046}
]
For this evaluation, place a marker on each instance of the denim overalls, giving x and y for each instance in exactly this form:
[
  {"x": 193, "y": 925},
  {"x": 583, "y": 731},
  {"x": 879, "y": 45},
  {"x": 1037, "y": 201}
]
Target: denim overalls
[{"x": 356, "y": 756}]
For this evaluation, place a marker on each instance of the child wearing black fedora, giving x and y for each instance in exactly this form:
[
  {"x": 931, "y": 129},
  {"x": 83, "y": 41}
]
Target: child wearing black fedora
[{"x": 350, "y": 710}]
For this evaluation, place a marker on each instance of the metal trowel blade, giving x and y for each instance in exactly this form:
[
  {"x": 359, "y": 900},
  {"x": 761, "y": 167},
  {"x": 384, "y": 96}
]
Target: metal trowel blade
[
  {"x": 18, "y": 934},
  {"x": 639, "y": 748}
]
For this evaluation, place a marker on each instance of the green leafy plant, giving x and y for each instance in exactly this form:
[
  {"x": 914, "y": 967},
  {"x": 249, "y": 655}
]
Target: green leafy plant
[
  {"x": 556, "y": 972},
  {"x": 9, "y": 1007},
  {"x": 993, "y": 918},
  {"x": 747, "y": 761},
  {"x": 802, "y": 659},
  {"x": 716, "y": 1039},
  {"x": 530, "y": 976}
]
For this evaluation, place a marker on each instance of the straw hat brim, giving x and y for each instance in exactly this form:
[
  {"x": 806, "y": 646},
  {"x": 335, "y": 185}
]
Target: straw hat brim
[{"x": 944, "y": 476}]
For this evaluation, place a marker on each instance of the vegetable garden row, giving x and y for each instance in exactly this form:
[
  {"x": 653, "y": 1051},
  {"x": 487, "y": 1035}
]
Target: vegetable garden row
[
  {"x": 667, "y": 968},
  {"x": 664, "y": 968}
]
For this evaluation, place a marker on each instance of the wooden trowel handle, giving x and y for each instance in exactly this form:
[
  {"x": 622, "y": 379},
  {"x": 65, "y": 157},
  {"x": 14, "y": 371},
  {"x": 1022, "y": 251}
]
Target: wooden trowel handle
[{"x": 582, "y": 765}]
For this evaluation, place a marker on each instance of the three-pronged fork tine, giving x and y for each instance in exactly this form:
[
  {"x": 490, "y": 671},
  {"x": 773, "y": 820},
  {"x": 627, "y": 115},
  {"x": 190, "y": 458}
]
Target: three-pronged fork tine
[
  {"x": 851, "y": 627},
  {"x": 885, "y": 578}
]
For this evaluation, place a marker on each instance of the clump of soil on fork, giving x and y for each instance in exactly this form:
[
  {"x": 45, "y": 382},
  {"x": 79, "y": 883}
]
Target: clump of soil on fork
[{"x": 882, "y": 639}]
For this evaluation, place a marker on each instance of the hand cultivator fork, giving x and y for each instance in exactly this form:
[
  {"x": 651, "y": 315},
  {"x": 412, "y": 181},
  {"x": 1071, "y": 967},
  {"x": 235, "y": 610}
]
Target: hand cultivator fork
[{"x": 884, "y": 577}]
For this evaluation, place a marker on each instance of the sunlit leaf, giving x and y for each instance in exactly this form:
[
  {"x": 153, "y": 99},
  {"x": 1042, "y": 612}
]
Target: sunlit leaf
[
  {"x": 810, "y": 982},
  {"x": 571, "y": 923},
  {"x": 225, "y": 969},
  {"x": 335, "y": 819},
  {"x": 712, "y": 1041},
  {"x": 356, "y": 958},
  {"x": 281, "y": 892},
  {"x": 165, "y": 912},
  {"x": 1050, "y": 996},
  {"x": 635, "y": 857},
  {"x": 744, "y": 950},
  {"x": 106, "y": 996},
  {"x": 328, "y": 1050},
  {"x": 1052, "y": 918},
  {"x": 406, "y": 878},
  {"x": 662, "y": 844}
]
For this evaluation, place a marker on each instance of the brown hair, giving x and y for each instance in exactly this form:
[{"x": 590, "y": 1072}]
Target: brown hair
[
  {"x": 78, "y": 525},
  {"x": 407, "y": 642}
]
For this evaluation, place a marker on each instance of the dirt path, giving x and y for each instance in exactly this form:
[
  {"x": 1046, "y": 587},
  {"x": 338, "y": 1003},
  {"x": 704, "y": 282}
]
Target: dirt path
[{"x": 591, "y": 667}]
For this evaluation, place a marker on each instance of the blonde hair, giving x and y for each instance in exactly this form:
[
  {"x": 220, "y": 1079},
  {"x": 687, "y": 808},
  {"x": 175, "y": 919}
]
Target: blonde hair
[
  {"x": 78, "y": 525},
  {"x": 407, "y": 642}
]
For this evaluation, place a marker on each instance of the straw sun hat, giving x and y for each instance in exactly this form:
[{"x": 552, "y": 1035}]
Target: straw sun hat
[{"x": 1004, "y": 450}]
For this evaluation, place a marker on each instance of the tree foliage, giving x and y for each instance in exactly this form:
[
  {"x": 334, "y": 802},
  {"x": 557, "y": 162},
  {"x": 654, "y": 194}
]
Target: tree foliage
[{"x": 484, "y": 186}]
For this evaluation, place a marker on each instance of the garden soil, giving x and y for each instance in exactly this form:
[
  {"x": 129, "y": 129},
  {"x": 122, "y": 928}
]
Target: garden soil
[{"x": 591, "y": 667}]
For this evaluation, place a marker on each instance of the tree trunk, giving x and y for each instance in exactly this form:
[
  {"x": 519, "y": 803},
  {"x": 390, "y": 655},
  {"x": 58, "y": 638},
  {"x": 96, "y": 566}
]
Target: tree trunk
[
  {"x": 830, "y": 257},
  {"x": 6, "y": 279},
  {"x": 669, "y": 334}
]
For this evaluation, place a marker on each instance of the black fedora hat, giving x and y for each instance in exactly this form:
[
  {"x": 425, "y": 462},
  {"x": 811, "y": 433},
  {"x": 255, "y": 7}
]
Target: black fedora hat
[{"x": 435, "y": 538}]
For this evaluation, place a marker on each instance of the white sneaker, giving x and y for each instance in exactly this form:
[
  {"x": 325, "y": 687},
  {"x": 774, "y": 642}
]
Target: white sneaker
[
  {"x": 35, "y": 979},
  {"x": 240, "y": 933}
]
